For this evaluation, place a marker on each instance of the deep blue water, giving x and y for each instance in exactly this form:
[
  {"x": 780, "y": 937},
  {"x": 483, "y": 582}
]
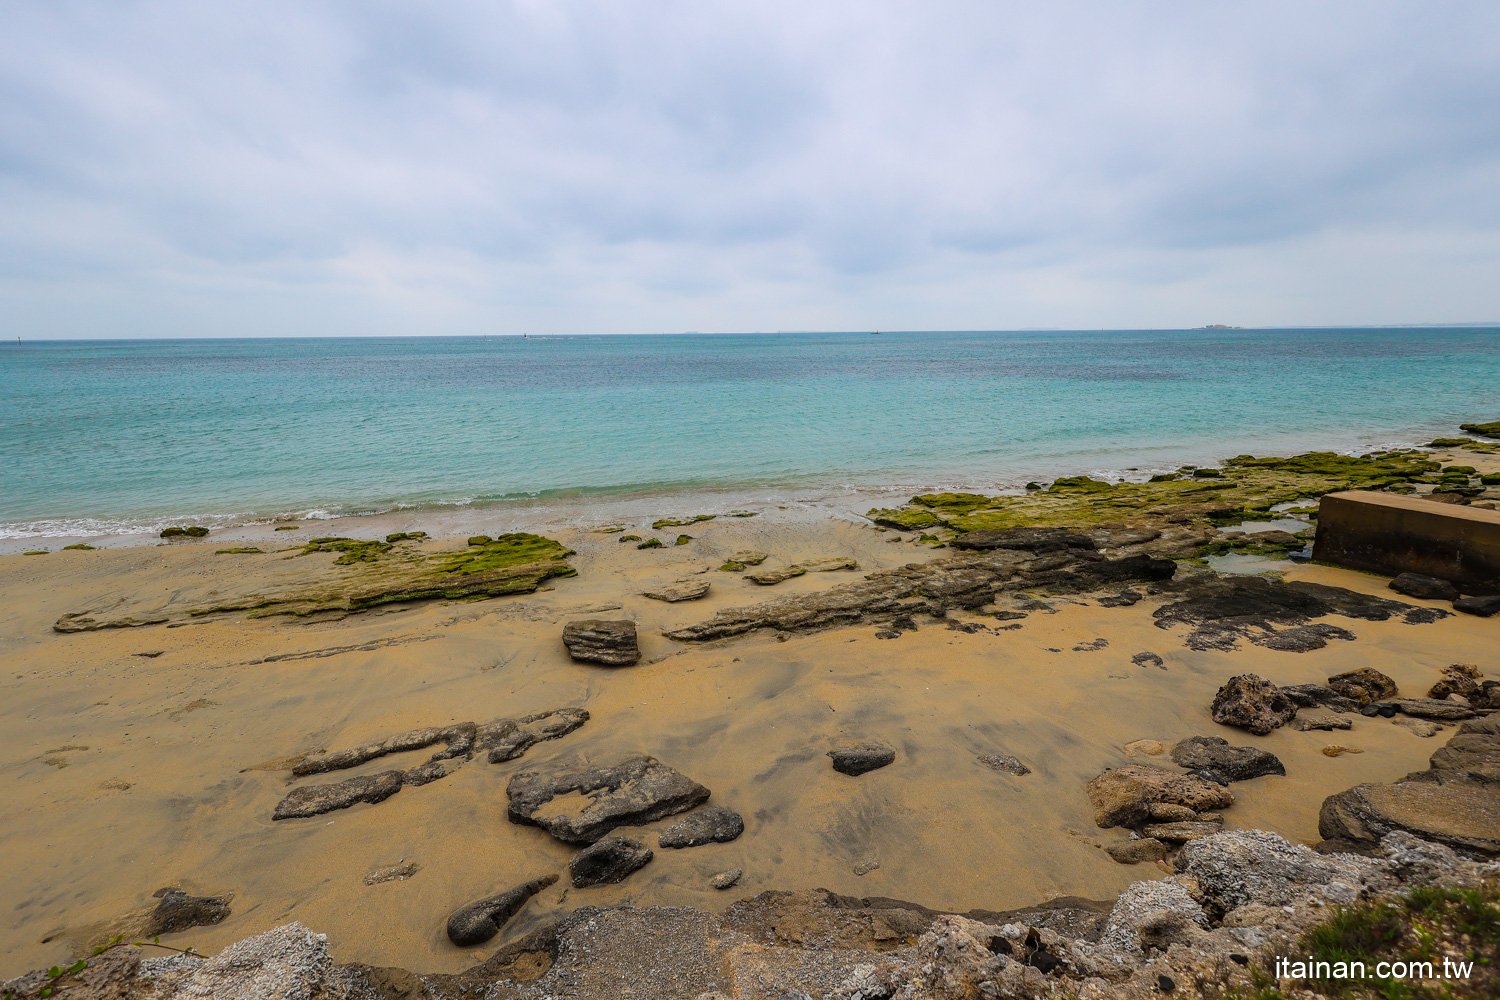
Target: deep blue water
[{"x": 107, "y": 434}]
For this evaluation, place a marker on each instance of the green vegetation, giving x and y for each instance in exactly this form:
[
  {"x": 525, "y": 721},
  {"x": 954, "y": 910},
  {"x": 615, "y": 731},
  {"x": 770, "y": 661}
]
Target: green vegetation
[
  {"x": 245, "y": 550},
  {"x": 353, "y": 549},
  {"x": 650, "y": 543},
  {"x": 1207, "y": 474},
  {"x": 406, "y": 536},
  {"x": 1487, "y": 430},
  {"x": 195, "y": 531},
  {"x": 36, "y": 552},
  {"x": 1490, "y": 480},
  {"x": 630, "y": 538},
  {"x": 741, "y": 513},
  {"x": 515, "y": 549},
  {"x": 732, "y": 567},
  {"x": 675, "y": 522},
  {"x": 683, "y": 539},
  {"x": 1246, "y": 487},
  {"x": 1448, "y": 443},
  {"x": 80, "y": 547},
  {"x": 289, "y": 527},
  {"x": 479, "y": 539}
]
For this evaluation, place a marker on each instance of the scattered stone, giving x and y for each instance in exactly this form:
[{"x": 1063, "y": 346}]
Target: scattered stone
[
  {"x": 116, "y": 785},
  {"x": 1427, "y": 708},
  {"x": 861, "y": 758},
  {"x": 1326, "y": 723},
  {"x": 650, "y": 543},
  {"x": 399, "y": 872},
  {"x": 1123, "y": 599},
  {"x": 685, "y": 590},
  {"x": 1180, "y": 832},
  {"x": 1421, "y": 727},
  {"x": 595, "y": 800},
  {"x": 1006, "y": 763},
  {"x": 1145, "y": 748},
  {"x": 1319, "y": 696},
  {"x": 1133, "y": 852},
  {"x": 749, "y": 557},
  {"x": 1234, "y": 763},
  {"x": 1484, "y": 607},
  {"x": 769, "y": 577},
  {"x": 429, "y": 772},
  {"x": 710, "y": 825},
  {"x": 1253, "y": 703},
  {"x": 1458, "y": 678},
  {"x": 1122, "y": 796},
  {"x": 1425, "y": 588},
  {"x": 314, "y": 800},
  {"x": 608, "y": 862},
  {"x": 1334, "y": 750},
  {"x": 1364, "y": 685},
  {"x": 177, "y": 911},
  {"x": 865, "y": 867},
  {"x": 482, "y": 920},
  {"x": 612, "y": 643},
  {"x": 725, "y": 880},
  {"x": 1091, "y": 646},
  {"x": 1148, "y": 659},
  {"x": 505, "y": 739}
]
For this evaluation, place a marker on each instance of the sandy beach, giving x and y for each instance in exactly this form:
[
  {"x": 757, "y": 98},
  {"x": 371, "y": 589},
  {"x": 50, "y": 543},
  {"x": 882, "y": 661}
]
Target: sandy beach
[{"x": 153, "y": 756}]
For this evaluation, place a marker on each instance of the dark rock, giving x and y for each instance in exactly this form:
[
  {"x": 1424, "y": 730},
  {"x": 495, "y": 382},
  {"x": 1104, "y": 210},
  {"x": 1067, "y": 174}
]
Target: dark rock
[
  {"x": 1165, "y": 983},
  {"x": 1426, "y": 708},
  {"x": 177, "y": 911},
  {"x": 610, "y": 861},
  {"x": 507, "y": 739},
  {"x": 637, "y": 790},
  {"x": 710, "y": 825},
  {"x": 1234, "y": 763},
  {"x": 1028, "y": 539},
  {"x": 1458, "y": 678},
  {"x": 1252, "y": 703},
  {"x": 1148, "y": 659},
  {"x": 1181, "y": 832},
  {"x": 1363, "y": 685},
  {"x": 1463, "y": 815},
  {"x": 1484, "y": 607},
  {"x": 861, "y": 758},
  {"x": 1383, "y": 709},
  {"x": 429, "y": 772},
  {"x": 1425, "y": 588},
  {"x": 1319, "y": 696},
  {"x": 1208, "y": 774},
  {"x": 1122, "y": 796},
  {"x": 313, "y": 800},
  {"x": 1004, "y": 762},
  {"x": 726, "y": 879},
  {"x": 482, "y": 920},
  {"x": 1474, "y": 754},
  {"x": 611, "y": 643},
  {"x": 1123, "y": 599},
  {"x": 1133, "y": 852}
]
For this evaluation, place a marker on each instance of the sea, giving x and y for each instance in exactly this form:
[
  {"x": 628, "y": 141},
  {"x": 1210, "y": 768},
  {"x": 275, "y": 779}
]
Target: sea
[{"x": 108, "y": 438}]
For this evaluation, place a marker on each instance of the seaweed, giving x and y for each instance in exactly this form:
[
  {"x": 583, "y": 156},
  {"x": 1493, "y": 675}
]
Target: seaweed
[
  {"x": 79, "y": 547},
  {"x": 650, "y": 543},
  {"x": 683, "y": 539},
  {"x": 243, "y": 550},
  {"x": 352, "y": 550},
  {"x": 514, "y": 549},
  {"x": 406, "y": 536},
  {"x": 677, "y": 522}
]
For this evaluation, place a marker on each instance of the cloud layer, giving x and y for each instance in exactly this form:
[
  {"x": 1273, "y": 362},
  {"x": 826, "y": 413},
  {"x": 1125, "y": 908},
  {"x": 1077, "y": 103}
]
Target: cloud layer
[{"x": 186, "y": 169}]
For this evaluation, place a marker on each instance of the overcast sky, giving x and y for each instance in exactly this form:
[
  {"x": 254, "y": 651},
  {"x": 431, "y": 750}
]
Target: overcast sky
[{"x": 329, "y": 168}]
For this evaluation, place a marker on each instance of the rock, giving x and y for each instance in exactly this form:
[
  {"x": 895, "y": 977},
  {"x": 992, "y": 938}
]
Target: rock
[
  {"x": 1319, "y": 696},
  {"x": 1133, "y": 852},
  {"x": 1484, "y": 607},
  {"x": 1425, "y": 588},
  {"x": 1179, "y": 832},
  {"x": 749, "y": 557},
  {"x": 1238, "y": 867},
  {"x": 1145, "y": 748},
  {"x": 289, "y": 962},
  {"x": 1334, "y": 750},
  {"x": 1091, "y": 646},
  {"x": 482, "y": 920},
  {"x": 1143, "y": 900},
  {"x": 1363, "y": 685},
  {"x": 710, "y": 825},
  {"x": 1148, "y": 659},
  {"x": 1306, "y": 724},
  {"x": 1420, "y": 727},
  {"x": 1004, "y": 762},
  {"x": 1383, "y": 709},
  {"x": 684, "y": 590},
  {"x": 610, "y": 861},
  {"x": 1458, "y": 678},
  {"x": 1252, "y": 703},
  {"x": 429, "y": 772},
  {"x": 1463, "y": 815},
  {"x": 177, "y": 911},
  {"x": 1122, "y": 796},
  {"x": 1474, "y": 755},
  {"x": 1234, "y": 763},
  {"x": 1426, "y": 708},
  {"x": 399, "y": 872},
  {"x": 650, "y": 543},
  {"x": 1170, "y": 812},
  {"x": 861, "y": 758},
  {"x": 313, "y": 800},
  {"x": 1037, "y": 540},
  {"x": 1123, "y": 599},
  {"x": 865, "y": 866},
  {"x": 637, "y": 790},
  {"x": 611, "y": 643},
  {"x": 507, "y": 739},
  {"x": 725, "y": 880},
  {"x": 769, "y": 577}
]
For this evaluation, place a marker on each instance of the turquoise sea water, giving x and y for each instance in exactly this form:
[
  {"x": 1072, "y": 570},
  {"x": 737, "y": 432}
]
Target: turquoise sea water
[{"x": 109, "y": 436}]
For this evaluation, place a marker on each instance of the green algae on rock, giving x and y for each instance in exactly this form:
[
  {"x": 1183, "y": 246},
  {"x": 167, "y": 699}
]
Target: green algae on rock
[
  {"x": 79, "y": 547},
  {"x": 1491, "y": 429},
  {"x": 677, "y": 522},
  {"x": 352, "y": 550},
  {"x": 683, "y": 539},
  {"x": 242, "y": 550},
  {"x": 905, "y": 520},
  {"x": 650, "y": 543}
]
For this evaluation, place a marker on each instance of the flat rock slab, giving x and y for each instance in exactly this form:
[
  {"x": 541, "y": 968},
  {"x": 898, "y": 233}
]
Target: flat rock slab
[
  {"x": 1026, "y": 539},
  {"x": 1180, "y": 832},
  {"x": 1234, "y": 763},
  {"x": 1123, "y": 796},
  {"x": 1424, "y": 588},
  {"x": 773, "y": 576},
  {"x": 1133, "y": 852},
  {"x": 177, "y": 911},
  {"x": 582, "y": 805},
  {"x": 683, "y": 590},
  {"x": 1325, "y": 723},
  {"x": 1427, "y": 708},
  {"x": 482, "y": 919},
  {"x": 1363, "y": 685},
  {"x": 610, "y": 861},
  {"x": 861, "y": 758},
  {"x": 612, "y": 643},
  {"x": 710, "y": 825},
  {"x": 1319, "y": 696},
  {"x": 1464, "y": 816},
  {"x": 1484, "y": 607},
  {"x": 313, "y": 800},
  {"x": 1252, "y": 703}
]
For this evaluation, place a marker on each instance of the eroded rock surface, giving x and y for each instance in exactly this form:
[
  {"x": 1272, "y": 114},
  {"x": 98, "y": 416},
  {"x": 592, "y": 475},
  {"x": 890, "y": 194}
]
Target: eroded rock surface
[
  {"x": 1234, "y": 763},
  {"x": 482, "y": 919},
  {"x": 1252, "y": 703},
  {"x": 582, "y": 805},
  {"x": 177, "y": 911},
  {"x": 1123, "y": 796},
  {"x": 1424, "y": 588},
  {"x": 861, "y": 758},
  {"x": 610, "y": 861},
  {"x": 313, "y": 800},
  {"x": 1363, "y": 685},
  {"x": 683, "y": 590},
  {"x": 709, "y": 825},
  {"x": 612, "y": 643}
]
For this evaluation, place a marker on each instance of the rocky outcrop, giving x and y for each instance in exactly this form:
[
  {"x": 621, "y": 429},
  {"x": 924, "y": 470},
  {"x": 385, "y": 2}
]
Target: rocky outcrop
[
  {"x": 1038, "y": 540},
  {"x": 1424, "y": 588},
  {"x": 1483, "y": 607},
  {"x": 637, "y": 790},
  {"x": 861, "y": 758},
  {"x": 313, "y": 800},
  {"x": 482, "y": 919},
  {"x": 709, "y": 825},
  {"x": 611, "y": 643},
  {"x": 1363, "y": 685},
  {"x": 1458, "y": 678},
  {"x": 608, "y": 862},
  {"x": 177, "y": 911},
  {"x": 769, "y": 577},
  {"x": 1123, "y": 796},
  {"x": 1233, "y": 763},
  {"x": 683, "y": 590},
  {"x": 1245, "y": 867},
  {"x": 1252, "y": 703},
  {"x": 1319, "y": 696}
]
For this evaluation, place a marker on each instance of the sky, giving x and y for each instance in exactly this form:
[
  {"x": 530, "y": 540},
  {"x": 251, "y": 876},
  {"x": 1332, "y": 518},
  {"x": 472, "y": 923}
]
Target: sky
[{"x": 324, "y": 168}]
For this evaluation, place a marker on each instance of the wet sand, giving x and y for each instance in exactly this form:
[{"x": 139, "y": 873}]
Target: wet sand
[{"x": 83, "y": 714}]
